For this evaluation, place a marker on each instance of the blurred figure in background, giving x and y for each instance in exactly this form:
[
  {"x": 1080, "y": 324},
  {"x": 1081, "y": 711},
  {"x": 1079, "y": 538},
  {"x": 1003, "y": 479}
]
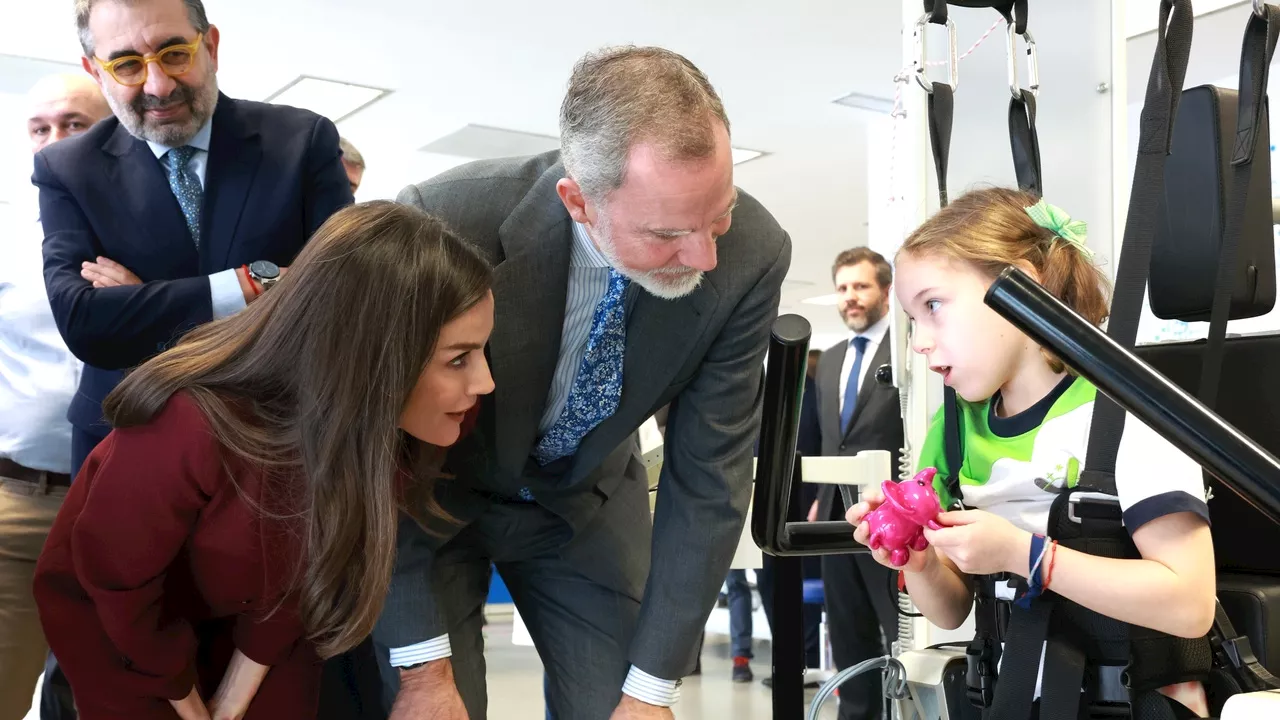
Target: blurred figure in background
[
  {"x": 858, "y": 413},
  {"x": 352, "y": 162},
  {"x": 38, "y": 377}
]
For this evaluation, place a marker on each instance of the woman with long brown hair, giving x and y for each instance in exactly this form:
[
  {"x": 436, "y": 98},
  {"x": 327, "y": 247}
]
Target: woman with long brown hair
[{"x": 239, "y": 523}]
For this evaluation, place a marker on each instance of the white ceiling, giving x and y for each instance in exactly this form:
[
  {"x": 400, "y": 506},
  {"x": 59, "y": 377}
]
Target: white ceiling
[{"x": 504, "y": 63}]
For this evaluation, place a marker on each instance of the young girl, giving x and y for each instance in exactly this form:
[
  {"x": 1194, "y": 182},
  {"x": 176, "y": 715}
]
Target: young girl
[{"x": 1025, "y": 420}]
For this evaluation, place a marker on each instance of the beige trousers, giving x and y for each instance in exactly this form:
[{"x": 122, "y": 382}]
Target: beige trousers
[{"x": 27, "y": 511}]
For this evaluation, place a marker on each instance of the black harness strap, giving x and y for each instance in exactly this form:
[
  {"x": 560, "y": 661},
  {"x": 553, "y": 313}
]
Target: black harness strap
[
  {"x": 1020, "y": 661},
  {"x": 1064, "y": 664},
  {"x": 1025, "y": 143},
  {"x": 1164, "y": 87},
  {"x": 1255, "y": 60},
  {"x": 1014, "y": 11},
  {"x": 941, "y": 115}
]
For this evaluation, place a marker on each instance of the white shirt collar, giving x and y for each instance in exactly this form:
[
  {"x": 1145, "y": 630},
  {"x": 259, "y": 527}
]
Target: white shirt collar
[
  {"x": 585, "y": 253},
  {"x": 199, "y": 142},
  {"x": 875, "y": 333}
]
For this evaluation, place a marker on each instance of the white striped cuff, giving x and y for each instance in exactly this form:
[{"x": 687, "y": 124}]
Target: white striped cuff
[
  {"x": 225, "y": 292},
  {"x": 649, "y": 689},
  {"x": 433, "y": 649}
]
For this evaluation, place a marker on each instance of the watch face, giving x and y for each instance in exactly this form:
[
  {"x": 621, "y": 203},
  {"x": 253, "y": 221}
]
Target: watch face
[{"x": 265, "y": 269}]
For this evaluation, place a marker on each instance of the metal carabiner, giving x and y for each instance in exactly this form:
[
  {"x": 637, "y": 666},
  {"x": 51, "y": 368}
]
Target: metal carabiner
[
  {"x": 1033, "y": 64},
  {"x": 1260, "y": 8},
  {"x": 922, "y": 55}
]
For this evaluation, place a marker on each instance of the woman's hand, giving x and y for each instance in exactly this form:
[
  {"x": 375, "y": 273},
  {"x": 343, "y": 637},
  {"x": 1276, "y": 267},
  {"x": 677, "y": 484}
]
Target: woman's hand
[
  {"x": 190, "y": 707},
  {"x": 981, "y": 543},
  {"x": 872, "y": 498},
  {"x": 239, "y": 686}
]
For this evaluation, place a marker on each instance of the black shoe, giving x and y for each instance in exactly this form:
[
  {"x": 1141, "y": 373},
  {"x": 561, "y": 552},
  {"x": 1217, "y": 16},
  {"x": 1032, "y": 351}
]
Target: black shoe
[
  {"x": 768, "y": 682},
  {"x": 742, "y": 670}
]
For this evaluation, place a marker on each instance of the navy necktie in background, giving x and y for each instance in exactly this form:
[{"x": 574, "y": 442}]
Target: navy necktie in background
[{"x": 851, "y": 385}]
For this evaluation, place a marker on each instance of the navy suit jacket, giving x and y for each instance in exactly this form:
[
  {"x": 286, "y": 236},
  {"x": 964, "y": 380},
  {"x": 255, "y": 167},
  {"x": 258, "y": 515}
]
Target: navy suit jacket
[{"x": 274, "y": 175}]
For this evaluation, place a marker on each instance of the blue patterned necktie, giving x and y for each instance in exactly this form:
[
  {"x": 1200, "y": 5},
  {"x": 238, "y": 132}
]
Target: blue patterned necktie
[
  {"x": 597, "y": 388},
  {"x": 851, "y": 385},
  {"x": 186, "y": 187}
]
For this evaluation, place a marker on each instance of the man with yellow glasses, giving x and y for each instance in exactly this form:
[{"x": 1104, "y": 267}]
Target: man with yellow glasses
[{"x": 182, "y": 209}]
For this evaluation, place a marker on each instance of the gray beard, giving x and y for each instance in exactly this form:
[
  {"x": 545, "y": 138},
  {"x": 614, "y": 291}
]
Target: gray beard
[
  {"x": 133, "y": 115},
  {"x": 663, "y": 283}
]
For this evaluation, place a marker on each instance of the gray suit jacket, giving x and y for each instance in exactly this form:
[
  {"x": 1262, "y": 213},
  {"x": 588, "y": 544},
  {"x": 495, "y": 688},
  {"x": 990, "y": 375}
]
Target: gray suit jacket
[
  {"x": 876, "y": 424},
  {"x": 703, "y": 354}
]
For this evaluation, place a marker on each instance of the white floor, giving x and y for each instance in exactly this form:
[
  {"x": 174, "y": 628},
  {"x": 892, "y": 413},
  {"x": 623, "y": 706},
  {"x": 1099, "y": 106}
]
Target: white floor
[
  {"x": 515, "y": 682},
  {"x": 515, "y": 679}
]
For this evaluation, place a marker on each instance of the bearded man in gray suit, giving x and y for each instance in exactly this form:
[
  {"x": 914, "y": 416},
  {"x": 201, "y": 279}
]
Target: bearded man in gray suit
[{"x": 630, "y": 273}]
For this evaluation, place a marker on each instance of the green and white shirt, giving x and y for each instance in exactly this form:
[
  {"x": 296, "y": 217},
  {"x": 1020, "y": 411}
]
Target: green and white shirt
[{"x": 1014, "y": 467}]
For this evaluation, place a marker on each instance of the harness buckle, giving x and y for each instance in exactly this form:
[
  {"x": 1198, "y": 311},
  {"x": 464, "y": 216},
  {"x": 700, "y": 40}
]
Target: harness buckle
[
  {"x": 980, "y": 673},
  {"x": 1083, "y": 506}
]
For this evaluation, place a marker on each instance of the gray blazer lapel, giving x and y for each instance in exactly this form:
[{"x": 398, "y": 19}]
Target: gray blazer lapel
[
  {"x": 869, "y": 379},
  {"x": 529, "y": 290},
  {"x": 660, "y": 335}
]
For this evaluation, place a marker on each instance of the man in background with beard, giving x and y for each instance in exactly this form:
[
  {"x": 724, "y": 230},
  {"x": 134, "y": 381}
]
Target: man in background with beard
[
  {"x": 856, "y": 413},
  {"x": 181, "y": 209}
]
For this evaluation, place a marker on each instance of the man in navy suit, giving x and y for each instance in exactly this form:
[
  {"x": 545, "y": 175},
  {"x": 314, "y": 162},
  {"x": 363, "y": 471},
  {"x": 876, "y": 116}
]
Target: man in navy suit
[
  {"x": 181, "y": 209},
  {"x": 151, "y": 218}
]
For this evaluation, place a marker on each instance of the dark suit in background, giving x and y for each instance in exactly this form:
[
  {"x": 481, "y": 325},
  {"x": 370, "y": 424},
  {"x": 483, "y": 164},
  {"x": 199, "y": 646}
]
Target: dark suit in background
[
  {"x": 857, "y": 588},
  {"x": 273, "y": 177}
]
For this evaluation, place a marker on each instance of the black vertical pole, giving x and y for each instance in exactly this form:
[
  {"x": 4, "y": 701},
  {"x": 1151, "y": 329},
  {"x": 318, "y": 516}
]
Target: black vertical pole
[{"x": 788, "y": 626}]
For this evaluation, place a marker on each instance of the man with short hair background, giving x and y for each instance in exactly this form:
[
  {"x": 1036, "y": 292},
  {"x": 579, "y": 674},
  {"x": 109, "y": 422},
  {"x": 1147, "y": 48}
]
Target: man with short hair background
[
  {"x": 352, "y": 163},
  {"x": 38, "y": 377},
  {"x": 858, "y": 413}
]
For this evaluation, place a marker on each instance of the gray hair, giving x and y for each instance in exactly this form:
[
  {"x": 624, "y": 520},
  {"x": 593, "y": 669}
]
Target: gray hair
[
  {"x": 620, "y": 96},
  {"x": 195, "y": 13},
  {"x": 350, "y": 153}
]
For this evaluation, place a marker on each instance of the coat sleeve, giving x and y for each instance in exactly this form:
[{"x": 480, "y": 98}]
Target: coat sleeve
[
  {"x": 269, "y": 636},
  {"x": 706, "y": 482},
  {"x": 327, "y": 188},
  {"x": 148, "y": 487},
  {"x": 110, "y": 328}
]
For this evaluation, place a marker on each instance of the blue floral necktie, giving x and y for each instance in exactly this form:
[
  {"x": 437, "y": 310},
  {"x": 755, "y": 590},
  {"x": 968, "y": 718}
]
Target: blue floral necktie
[
  {"x": 597, "y": 388},
  {"x": 186, "y": 187}
]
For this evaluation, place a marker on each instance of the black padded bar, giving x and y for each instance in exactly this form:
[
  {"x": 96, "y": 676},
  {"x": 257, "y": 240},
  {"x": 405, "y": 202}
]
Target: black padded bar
[
  {"x": 1240, "y": 463},
  {"x": 777, "y": 490}
]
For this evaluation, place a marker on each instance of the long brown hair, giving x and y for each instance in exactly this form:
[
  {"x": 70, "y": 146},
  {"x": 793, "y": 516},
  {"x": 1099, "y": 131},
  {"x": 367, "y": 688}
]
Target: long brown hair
[
  {"x": 991, "y": 230},
  {"x": 309, "y": 382}
]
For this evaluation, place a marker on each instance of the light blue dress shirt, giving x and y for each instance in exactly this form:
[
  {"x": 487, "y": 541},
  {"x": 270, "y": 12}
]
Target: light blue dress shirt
[{"x": 38, "y": 374}]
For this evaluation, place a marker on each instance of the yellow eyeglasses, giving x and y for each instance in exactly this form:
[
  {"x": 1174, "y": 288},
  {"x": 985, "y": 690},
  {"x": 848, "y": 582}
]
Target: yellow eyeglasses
[{"x": 131, "y": 70}]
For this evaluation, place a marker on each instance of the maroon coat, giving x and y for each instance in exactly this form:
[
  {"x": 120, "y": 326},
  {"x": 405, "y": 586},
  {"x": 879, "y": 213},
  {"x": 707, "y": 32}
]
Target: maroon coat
[{"x": 157, "y": 569}]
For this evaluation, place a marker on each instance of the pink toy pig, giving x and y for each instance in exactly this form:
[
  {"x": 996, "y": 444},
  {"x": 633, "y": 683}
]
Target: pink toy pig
[{"x": 908, "y": 507}]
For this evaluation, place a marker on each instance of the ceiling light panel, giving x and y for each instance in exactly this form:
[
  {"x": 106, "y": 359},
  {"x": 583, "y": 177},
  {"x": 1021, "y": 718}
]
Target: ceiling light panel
[
  {"x": 334, "y": 100},
  {"x": 869, "y": 103},
  {"x": 741, "y": 155}
]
